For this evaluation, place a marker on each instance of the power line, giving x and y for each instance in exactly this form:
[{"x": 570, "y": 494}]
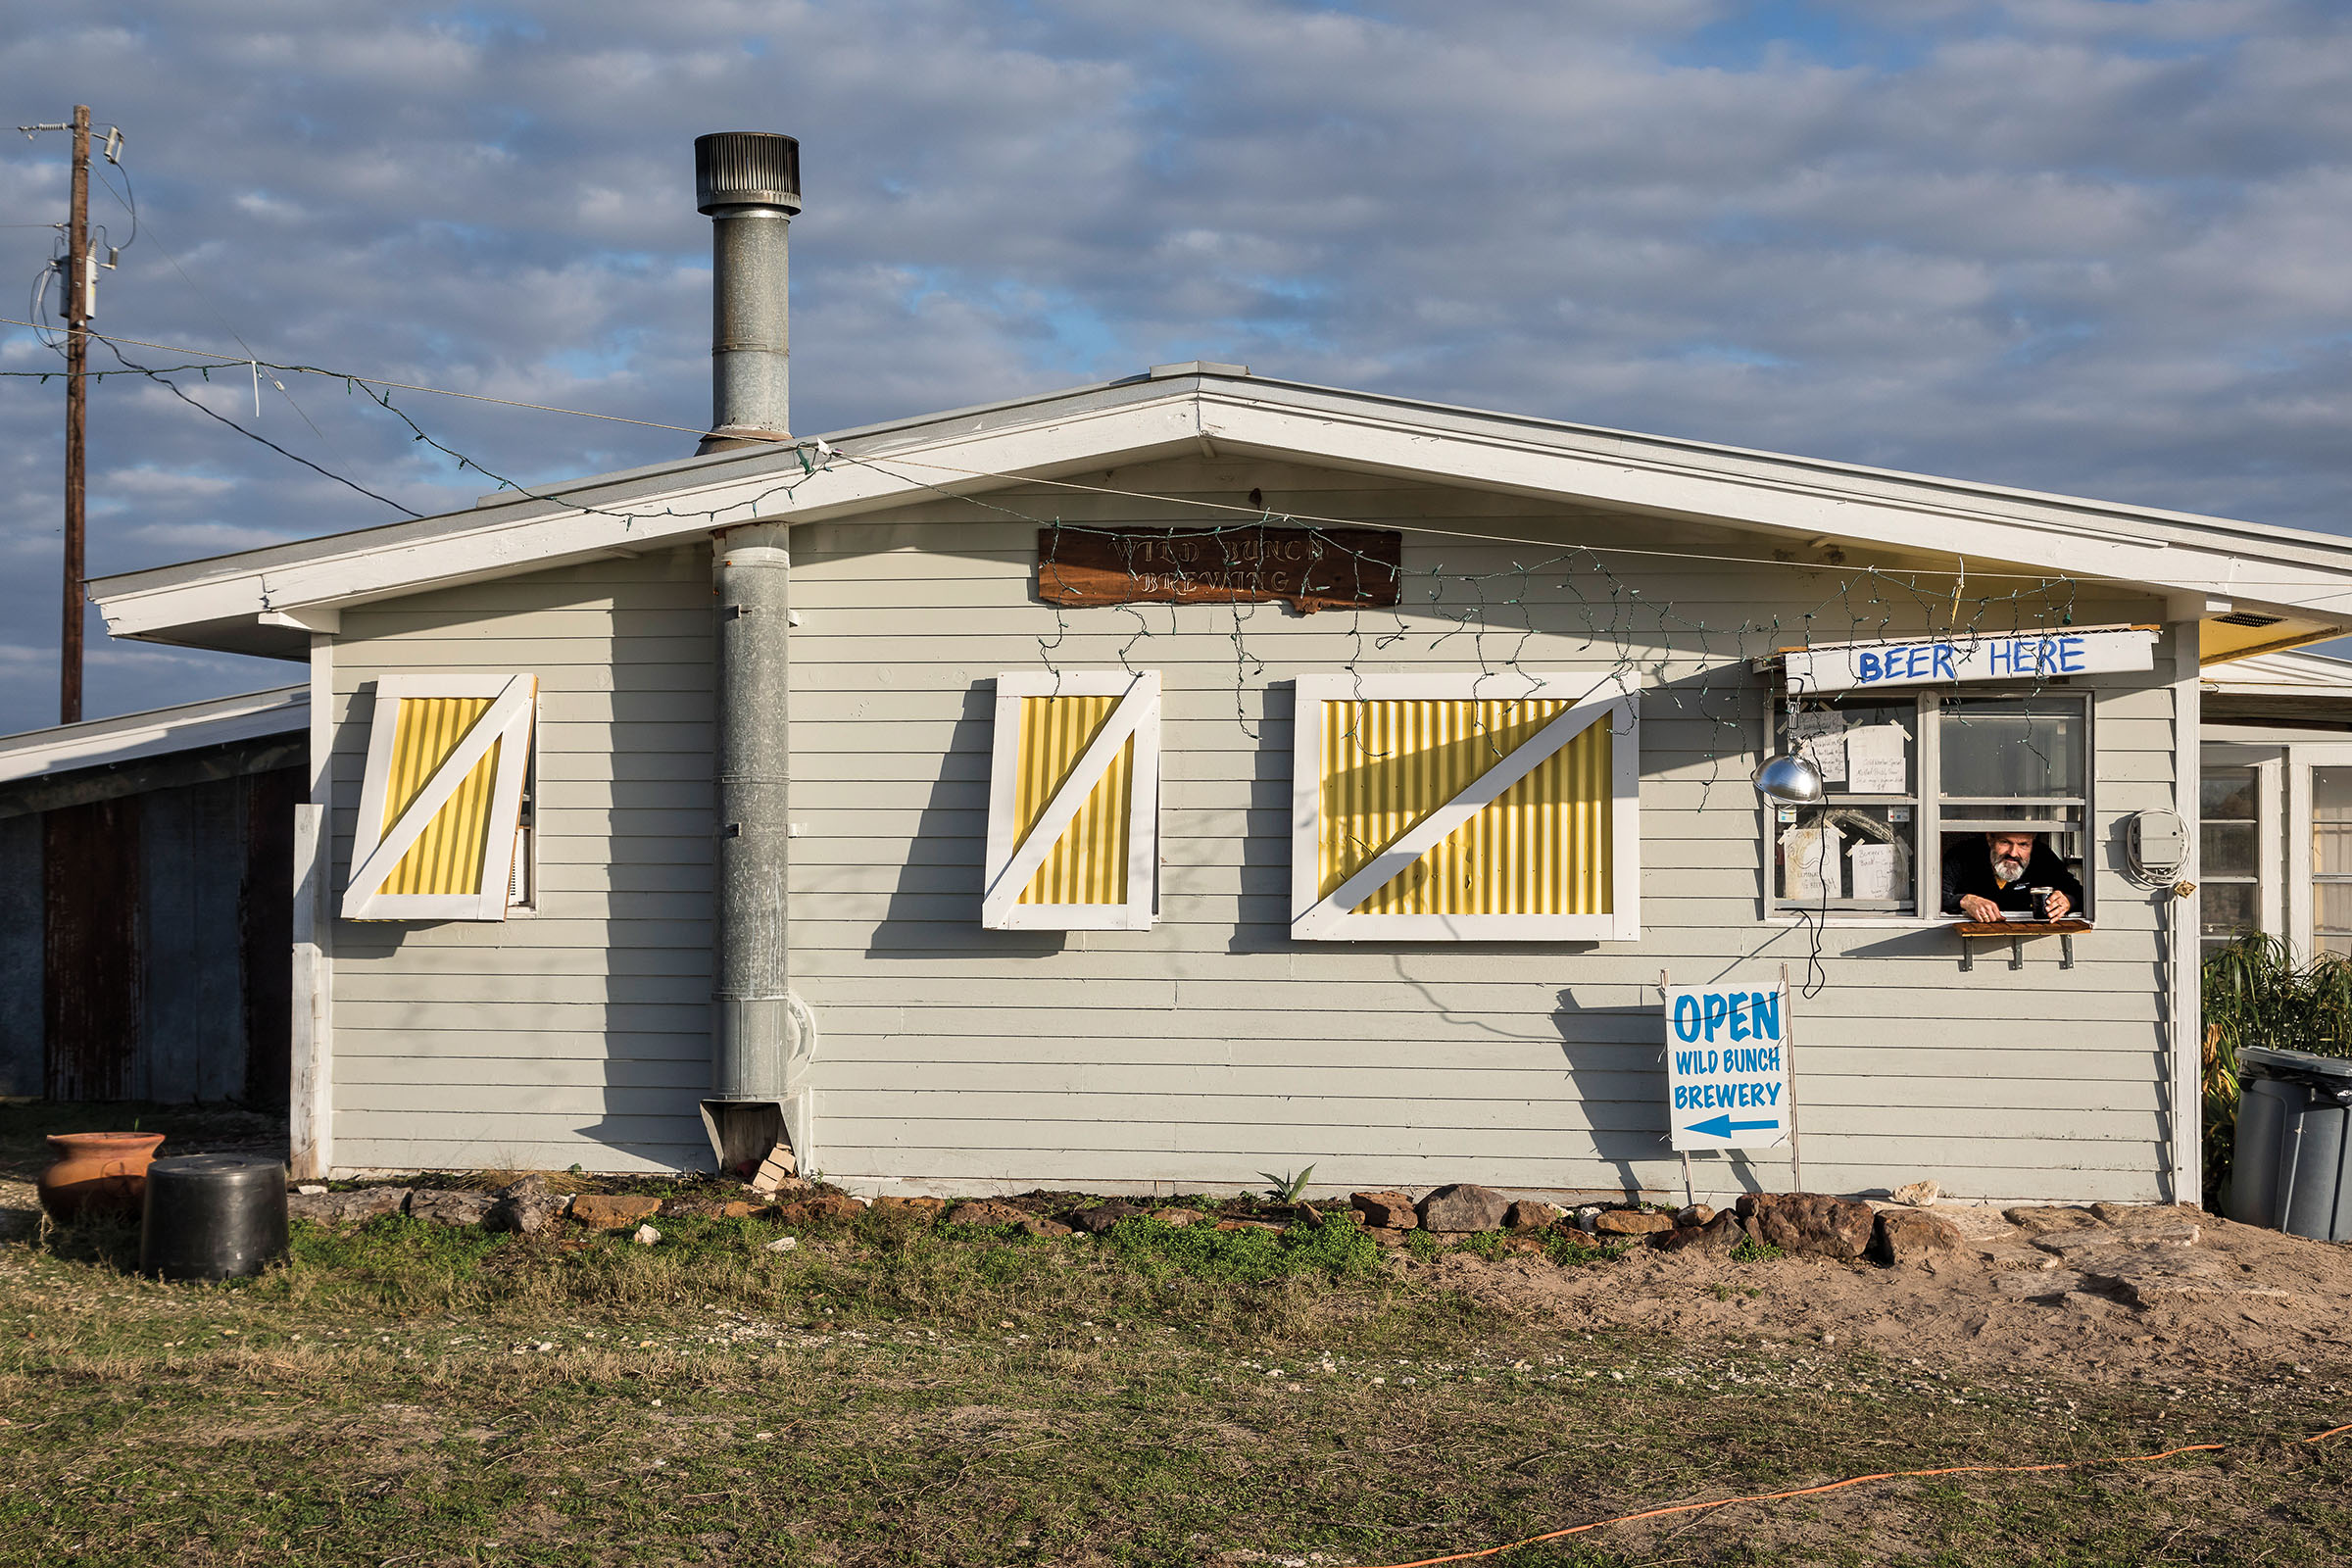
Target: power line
[
  {"x": 158, "y": 377},
  {"x": 364, "y": 380}
]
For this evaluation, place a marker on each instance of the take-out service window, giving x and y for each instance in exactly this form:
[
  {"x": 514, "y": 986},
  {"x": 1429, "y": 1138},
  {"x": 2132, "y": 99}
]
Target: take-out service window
[{"x": 1927, "y": 769}]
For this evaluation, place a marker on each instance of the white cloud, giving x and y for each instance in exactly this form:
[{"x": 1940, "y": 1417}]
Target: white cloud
[{"x": 2057, "y": 243}]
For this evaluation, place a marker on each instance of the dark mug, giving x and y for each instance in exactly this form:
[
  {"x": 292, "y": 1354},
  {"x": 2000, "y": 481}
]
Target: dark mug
[{"x": 2038, "y": 899}]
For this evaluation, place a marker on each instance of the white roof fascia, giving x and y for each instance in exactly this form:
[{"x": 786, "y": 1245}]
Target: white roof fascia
[
  {"x": 2078, "y": 539},
  {"x": 2283, "y": 674},
  {"x": 546, "y": 535},
  {"x": 158, "y": 732},
  {"x": 1124, "y": 423}
]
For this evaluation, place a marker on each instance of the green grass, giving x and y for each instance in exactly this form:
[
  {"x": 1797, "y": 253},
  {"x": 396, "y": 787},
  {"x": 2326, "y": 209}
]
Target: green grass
[{"x": 903, "y": 1393}]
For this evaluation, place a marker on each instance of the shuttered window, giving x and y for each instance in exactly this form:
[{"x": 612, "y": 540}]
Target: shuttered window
[
  {"x": 1073, "y": 806},
  {"x": 441, "y": 804},
  {"x": 1469, "y": 807}
]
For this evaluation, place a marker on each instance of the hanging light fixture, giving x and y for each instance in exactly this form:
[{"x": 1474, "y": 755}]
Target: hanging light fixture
[
  {"x": 1791, "y": 778},
  {"x": 1788, "y": 780}
]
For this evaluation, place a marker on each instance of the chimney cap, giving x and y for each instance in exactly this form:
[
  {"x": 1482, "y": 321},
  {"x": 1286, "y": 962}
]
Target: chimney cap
[{"x": 747, "y": 168}]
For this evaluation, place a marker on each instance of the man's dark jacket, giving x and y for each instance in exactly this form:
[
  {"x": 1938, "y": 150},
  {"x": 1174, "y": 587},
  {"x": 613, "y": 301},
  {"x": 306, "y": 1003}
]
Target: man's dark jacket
[{"x": 1968, "y": 868}]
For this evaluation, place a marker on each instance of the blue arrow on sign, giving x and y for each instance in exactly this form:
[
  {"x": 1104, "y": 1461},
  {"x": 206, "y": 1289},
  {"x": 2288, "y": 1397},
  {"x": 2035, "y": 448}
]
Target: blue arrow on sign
[{"x": 1723, "y": 1126}]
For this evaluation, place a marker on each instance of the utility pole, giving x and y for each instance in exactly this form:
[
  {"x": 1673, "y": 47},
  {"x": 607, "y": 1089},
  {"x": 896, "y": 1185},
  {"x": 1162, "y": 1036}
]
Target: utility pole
[
  {"x": 81, "y": 302},
  {"x": 80, "y": 284}
]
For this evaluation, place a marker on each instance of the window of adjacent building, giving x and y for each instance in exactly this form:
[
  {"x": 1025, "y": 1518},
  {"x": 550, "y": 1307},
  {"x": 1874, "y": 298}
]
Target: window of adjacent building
[
  {"x": 2331, "y": 859},
  {"x": 1937, "y": 770},
  {"x": 2228, "y": 843}
]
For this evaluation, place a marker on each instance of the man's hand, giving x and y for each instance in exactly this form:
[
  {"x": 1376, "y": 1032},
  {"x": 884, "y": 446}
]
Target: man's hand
[
  {"x": 1979, "y": 909},
  {"x": 2059, "y": 904}
]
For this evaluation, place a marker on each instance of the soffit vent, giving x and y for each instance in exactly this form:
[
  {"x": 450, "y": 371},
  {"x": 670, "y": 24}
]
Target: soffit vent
[{"x": 2247, "y": 617}]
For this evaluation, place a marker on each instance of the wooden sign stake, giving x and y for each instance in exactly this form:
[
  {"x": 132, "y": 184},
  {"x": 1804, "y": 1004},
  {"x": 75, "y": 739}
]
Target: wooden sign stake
[
  {"x": 1796, "y": 1147},
  {"x": 1690, "y": 1190}
]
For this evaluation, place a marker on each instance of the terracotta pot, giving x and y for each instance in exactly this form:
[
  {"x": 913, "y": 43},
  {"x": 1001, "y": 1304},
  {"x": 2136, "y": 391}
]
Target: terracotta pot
[{"x": 97, "y": 1173}]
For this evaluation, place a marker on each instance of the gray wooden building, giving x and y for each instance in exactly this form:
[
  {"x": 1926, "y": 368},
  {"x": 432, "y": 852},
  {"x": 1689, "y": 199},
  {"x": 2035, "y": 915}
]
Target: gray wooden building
[{"x": 577, "y": 1025}]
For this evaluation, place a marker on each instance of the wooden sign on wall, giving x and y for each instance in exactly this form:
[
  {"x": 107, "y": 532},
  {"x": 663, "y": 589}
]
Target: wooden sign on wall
[{"x": 1309, "y": 568}]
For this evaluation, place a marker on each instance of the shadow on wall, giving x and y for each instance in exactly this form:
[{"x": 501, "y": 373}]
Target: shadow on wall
[{"x": 935, "y": 903}]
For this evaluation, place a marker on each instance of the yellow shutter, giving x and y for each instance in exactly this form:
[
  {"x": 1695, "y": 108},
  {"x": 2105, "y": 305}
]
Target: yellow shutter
[
  {"x": 1088, "y": 863},
  {"x": 1464, "y": 808},
  {"x": 1073, "y": 802},
  {"x": 448, "y": 853},
  {"x": 1542, "y": 846},
  {"x": 441, "y": 800}
]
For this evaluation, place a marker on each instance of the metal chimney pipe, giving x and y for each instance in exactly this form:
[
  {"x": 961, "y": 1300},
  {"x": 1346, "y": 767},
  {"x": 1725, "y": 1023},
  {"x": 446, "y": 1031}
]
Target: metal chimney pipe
[
  {"x": 762, "y": 1038},
  {"x": 748, "y": 184}
]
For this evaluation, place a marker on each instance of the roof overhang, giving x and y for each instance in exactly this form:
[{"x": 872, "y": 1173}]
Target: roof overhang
[
  {"x": 158, "y": 732},
  {"x": 2297, "y": 584}
]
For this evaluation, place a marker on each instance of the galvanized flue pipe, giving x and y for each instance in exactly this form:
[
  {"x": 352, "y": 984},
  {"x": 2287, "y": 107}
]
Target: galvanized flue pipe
[
  {"x": 748, "y": 184},
  {"x": 753, "y": 1036}
]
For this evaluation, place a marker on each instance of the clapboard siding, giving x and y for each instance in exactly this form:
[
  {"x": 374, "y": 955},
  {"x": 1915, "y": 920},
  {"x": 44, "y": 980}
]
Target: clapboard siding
[
  {"x": 607, "y": 984},
  {"x": 1213, "y": 1046}
]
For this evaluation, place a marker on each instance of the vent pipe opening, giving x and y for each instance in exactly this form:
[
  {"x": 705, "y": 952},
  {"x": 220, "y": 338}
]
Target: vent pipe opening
[{"x": 748, "y": 183}]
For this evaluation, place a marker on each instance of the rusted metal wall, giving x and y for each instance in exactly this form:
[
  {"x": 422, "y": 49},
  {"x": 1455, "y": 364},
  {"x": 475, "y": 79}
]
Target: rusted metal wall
[
  {"x": 265, "y": 916},
  {"x": 90, "y": 947},
  {"x": 21, "y": 1025}
]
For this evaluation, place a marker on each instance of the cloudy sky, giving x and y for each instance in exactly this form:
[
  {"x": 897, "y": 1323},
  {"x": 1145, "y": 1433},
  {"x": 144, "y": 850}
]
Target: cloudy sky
[{"x": 2094, "y": 246}]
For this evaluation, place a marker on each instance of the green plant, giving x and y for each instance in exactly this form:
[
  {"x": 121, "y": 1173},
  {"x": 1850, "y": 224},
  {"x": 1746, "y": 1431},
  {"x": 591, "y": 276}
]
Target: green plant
[
  {"x": 2255, "y": 994},
  {"x": 1573, "y": 1248},
  {"x": 1286, "y": 1189},
  {"x": 1752, "y": 1251},
  {"x": 1488, "y": 1244}
]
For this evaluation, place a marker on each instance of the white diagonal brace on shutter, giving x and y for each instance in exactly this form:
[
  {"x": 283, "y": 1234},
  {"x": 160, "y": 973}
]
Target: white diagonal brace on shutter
[
  {"x": 512, "y": 703},
  {"x": 1139, "y": 701},
  {"x": 1410, "y": 845}
]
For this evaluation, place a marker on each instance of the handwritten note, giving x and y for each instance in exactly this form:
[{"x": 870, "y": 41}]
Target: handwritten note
[
  {"x": 1875, "y": 759},
  {"x": 1821, "y": 736},
  {"x": 1809, "y": 867},
  {"x": 1879, "y": 870}
]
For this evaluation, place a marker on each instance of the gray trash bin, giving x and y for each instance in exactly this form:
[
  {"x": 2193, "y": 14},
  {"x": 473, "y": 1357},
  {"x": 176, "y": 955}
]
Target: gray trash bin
[{"x": 2289, "y": 1170}]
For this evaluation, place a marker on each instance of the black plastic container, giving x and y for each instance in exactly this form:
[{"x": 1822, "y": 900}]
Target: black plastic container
[
  {"x": 2292, "y": 1166},
  {"x": 213, "y": 1216}
]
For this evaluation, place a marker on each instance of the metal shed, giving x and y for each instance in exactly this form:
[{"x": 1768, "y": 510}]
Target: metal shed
[{"x": 145, "y": 899}]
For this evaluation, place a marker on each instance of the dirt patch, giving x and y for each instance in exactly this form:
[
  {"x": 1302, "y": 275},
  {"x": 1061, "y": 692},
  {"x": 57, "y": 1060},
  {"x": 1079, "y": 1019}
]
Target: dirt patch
[{"x": 2113, "y": 1294}]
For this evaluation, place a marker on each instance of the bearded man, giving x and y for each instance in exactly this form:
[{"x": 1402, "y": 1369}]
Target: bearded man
[{"x": 1984, "y": 876}]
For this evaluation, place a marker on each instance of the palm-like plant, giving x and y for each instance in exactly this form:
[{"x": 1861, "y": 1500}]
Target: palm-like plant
[{"x": 2255, "y": 994}]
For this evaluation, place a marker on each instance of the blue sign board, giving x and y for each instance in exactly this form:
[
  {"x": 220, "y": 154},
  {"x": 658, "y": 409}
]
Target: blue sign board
[{"x": 1727, "y": 1066}]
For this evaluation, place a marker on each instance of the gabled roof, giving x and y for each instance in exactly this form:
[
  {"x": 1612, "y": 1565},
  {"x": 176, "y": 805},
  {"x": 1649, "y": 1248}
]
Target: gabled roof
[
  {"x": 158, "y": 732},
  {"x": 2283, "y": 586}
]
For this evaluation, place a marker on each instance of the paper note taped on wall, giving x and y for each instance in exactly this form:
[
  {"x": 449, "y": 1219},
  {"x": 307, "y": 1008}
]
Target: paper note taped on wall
[
  {"x": 1820, "y": 735},
  {"x": 1827, "y": 752},
  {"x": 1875, "y": 759},
  {"x": 1878, "y": 871},
  {"x": 1808, "y": 861}
]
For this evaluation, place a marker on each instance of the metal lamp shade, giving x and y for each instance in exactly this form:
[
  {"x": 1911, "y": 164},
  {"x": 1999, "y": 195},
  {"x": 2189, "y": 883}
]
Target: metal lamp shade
[{"x": 1788, "y": 781}]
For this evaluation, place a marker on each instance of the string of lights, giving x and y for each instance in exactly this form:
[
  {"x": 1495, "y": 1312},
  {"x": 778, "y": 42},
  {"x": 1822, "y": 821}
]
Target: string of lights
[{"x": 1555, "y": 589}]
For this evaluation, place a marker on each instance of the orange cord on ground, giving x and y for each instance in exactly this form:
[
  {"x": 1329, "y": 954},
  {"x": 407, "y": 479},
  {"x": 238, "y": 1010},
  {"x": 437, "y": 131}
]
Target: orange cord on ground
[{"x": 1836, "y": 1486}]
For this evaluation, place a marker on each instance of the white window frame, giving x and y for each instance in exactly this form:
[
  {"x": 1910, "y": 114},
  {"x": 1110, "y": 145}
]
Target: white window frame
[
  {"x": 2273, "y": 839},
  {"x": 1610, "y": 698},
  {"x": 2302, "y": 900},
  {"x": 1008, "y": 867},
  {"x": 1929, "y": 823},
  {"x": 511, "y": 720}
]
